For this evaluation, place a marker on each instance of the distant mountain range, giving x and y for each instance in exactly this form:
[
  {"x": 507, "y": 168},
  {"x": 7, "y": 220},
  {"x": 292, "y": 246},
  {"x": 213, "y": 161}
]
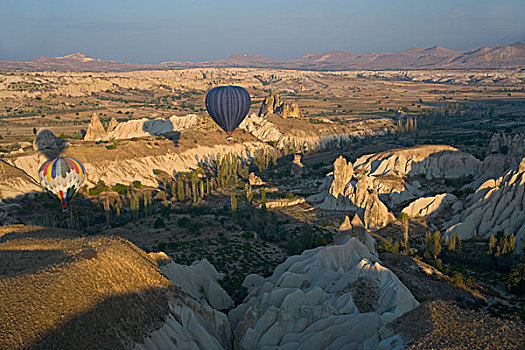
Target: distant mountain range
[{"x": 437, "y": 57}]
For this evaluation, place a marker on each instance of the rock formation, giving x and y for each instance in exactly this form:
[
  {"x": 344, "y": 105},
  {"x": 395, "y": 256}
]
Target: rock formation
[
  {"x": 112, "y": 124},
  {"x": 13, "y": 183},
  {"x": 283, "y": 203},
  {"x": 95, "y": 130},
  {"x": 136, "y": 162},
  {"x": 145, "y": 127},
  {"x": 431, "y": 161},
  {"x": 355, "y": 228},
  {"x": 350, "y": 191},
  {"x": 274, "y": 105},
  {"x": 255, "y": 180},
  {"x": 298, "y": 168},
  {"x": 497, "y": 205},
  {"x": 328, "y": 297},
  {"x": 200, "y": 280},
  {"x": 193, "y": 321},
  {"x": 261, "y": 128},
  {"x": 430, "y": 206},
  {"x": 501, "y": 143}
]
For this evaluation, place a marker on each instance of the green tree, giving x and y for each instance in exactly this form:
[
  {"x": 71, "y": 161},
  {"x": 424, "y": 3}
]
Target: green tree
[
  {"x": 201, "y": 187},
  {"x": 233, "y": 203},
  {"x": 432, "y": 245},
  {"x": 516, "y": 280},
  {"x": 158, "y": 223},
  {"x": 453, "y": 242},
  {"x": 180, "y": 190},
  {"x": 492, "y": 245},
  {"x": 263, "y": 198},
  {"x": 405, "y": 220},
  {"x": 173, "y": 189},
  {"x": 107, "y": 210},
  {"x": 147, "y": 202},
  {"x": 249, "y": 193}
]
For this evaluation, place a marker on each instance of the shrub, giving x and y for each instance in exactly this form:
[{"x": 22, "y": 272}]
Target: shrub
[
  {"x": 290, "y": 195},
  {"x": 432, "y": 245},
  {"x": 158, "y": 223},
  {"x": 389, "y": 246},
  {"x": 98, "y": 189},
  {"x": 468, "y": 191},
  {"x": 120, "y": 189},
  {"x": 247, "y": 235},
  {"x": 137, "y": 184},
  {"x": 458, "y": 279},
  {"x": 111, "y": 147},
  {"x": 516, "y": 281},
  {"x": 184, "y": 222}
]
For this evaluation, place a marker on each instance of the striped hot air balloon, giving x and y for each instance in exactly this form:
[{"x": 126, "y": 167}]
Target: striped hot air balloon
[
  {"x": 62, "y": 177},
  {"x": 228, "y": 106}
]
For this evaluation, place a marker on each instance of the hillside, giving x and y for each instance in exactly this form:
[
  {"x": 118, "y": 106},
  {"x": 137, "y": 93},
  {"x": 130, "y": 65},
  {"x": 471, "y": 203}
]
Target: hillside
[{"x": 437, "y": 57}]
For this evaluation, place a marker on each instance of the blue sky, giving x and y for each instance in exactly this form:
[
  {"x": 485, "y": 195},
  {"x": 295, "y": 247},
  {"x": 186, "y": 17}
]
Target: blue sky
[{"x": 196, "y": 30}]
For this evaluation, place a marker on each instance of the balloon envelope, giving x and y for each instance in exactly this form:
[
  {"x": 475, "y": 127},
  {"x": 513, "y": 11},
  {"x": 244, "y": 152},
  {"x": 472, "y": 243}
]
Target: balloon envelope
[
  {"x": 228, "y": 106},
  {"x": 62, "y": 177}
]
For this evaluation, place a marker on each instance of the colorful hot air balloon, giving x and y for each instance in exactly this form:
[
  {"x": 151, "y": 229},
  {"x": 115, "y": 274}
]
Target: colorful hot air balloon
[
  {"x": 62, "y": 177},
  {"x": 228, "y": 106}
]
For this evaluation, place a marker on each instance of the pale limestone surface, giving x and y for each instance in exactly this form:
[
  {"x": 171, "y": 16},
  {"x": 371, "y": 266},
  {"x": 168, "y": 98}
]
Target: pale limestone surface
[
  {"x": 193, "y": 321},
  {"x": 145, "y": 127},
  {"x": 430, "y": 206},
  {"x": 313, "y": 301},
  {"x": 497, "y": 205},
  {"x": 95, "y": 130}
]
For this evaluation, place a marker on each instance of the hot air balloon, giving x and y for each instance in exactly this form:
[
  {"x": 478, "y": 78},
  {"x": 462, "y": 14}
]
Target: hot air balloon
[
  {"x": 62, "y": 177},
  {"x": 228, "y": 106}
]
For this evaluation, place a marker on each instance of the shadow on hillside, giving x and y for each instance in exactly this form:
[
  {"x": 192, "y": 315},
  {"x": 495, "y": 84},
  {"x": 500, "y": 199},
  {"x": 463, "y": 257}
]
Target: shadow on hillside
[
  {"x": 50, "y": 145},
  {"x": 19, "y": 262},
  {"x": 162, "y": 128},
  {"x": 15, "y": 232},
  {"x": 114, "y": 323}
]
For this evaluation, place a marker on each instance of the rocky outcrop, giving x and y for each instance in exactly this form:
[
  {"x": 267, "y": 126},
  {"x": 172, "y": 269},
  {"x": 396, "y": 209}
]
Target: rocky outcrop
[
  {"x": 15, "y": 182},
  {"x": 112, "y": 124},
  {"x": 274, "y": 105},
  {"x": 95, "y": 130},
  {"x": 328, "y": 297},
  {"x": 255, "y": 180},
  {"x": 430, "y": 206},
  {"x": 200, "y": 280},
  {"x": 430, "y": 161},
  {"x": 283, "y": 203},
  {"x": 497, "y": 205},
  {"x": 350, "y": 191},
  {"x": 298, "y": 168},
  {"x": 355, "y": 228},
  {"x": 501, "y": 143},
  {"x": 136, "y": 162},
  {"x": 343, "y": 173},
  {"x": 261, "y": 128},
  {"x": 193, "y": 321},
  {"x": 156, "y": 127}
]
